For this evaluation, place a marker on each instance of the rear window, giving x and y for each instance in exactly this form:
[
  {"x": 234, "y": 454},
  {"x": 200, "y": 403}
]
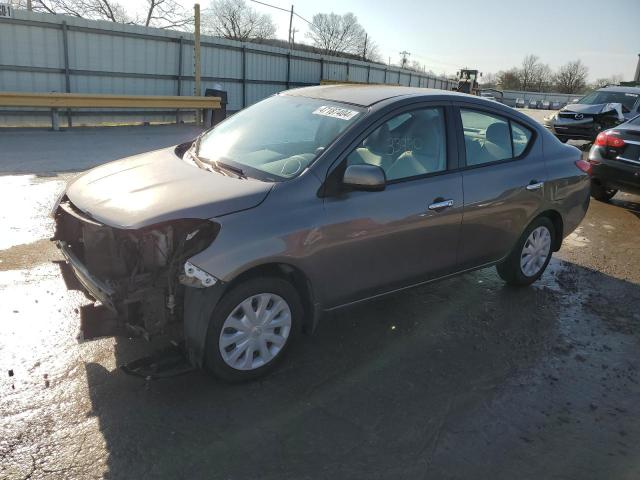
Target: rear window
[{"x": 628, "y": 100}]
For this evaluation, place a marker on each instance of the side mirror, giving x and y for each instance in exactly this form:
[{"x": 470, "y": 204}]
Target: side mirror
[{"x": 370, "y": 178}]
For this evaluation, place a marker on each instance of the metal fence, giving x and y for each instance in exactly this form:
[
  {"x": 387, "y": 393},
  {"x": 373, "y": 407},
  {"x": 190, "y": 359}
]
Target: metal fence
[
  {"x": 54, "y": 53},
  {"x": 510, "y": 97}
]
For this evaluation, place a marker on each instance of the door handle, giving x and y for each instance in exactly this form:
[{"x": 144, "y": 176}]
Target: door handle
[
  {"x": 441, "y": 205},
  {"x": 535, "y": 186}
]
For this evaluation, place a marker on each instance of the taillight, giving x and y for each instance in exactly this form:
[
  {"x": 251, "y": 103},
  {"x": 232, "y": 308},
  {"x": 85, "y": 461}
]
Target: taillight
[
  {"x": 584, "y": 166},
  {"x": 609, "y": 139}
]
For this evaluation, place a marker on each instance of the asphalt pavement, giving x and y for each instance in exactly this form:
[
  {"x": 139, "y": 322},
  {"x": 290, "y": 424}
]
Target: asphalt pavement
[{"x": 461, "y": 379}]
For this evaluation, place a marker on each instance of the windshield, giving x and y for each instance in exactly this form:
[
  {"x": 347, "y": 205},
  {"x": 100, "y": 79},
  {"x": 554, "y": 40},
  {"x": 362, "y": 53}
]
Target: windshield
[
  {"x": 595, "y": 98},
  {"x": 277, "y": 138}
]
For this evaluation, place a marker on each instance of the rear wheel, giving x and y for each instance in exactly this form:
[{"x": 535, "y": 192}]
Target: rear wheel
[
  {"x": 601, "y": 192},
  {"x": 251, "y": 328},
  {"x": 531, "y": 255}
]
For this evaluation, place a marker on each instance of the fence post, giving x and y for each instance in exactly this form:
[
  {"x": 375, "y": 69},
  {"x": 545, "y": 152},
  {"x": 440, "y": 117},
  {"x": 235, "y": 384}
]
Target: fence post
[
  {"x": 67, "y": 79},
  {"x": 244, "y": 76},
  {"x": 288, "y": 70},
  {"x": 55, "y": 120},
  {"x": 398, "y": 77},
  {"x": 369, "y": 73},
  {"x": 196, "y": 48},
  {"x": 385, "y": 76},
  {"x": 321, "y": 69},
  {"x": 348, "y": 65},
  {"x": 409, "y": 78},
  {"x": 179, "y": 80}
]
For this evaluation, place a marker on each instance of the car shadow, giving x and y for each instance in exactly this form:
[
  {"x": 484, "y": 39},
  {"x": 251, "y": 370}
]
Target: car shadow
[
  {"x": 630, "y": 203},
  {"x": 464, "y": 378}
]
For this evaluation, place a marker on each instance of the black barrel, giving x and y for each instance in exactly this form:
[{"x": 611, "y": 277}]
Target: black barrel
[{"x": 215, "y": 116}]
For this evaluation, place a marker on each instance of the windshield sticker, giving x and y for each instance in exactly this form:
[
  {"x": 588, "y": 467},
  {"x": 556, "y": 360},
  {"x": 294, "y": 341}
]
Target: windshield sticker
[{"x": 335, "y": 112}]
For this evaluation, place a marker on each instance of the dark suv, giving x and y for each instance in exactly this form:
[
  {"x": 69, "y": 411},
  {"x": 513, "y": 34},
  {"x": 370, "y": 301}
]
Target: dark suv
[
  {"x": 615, "y": 161},
  {"x": 599, "y": 110}
]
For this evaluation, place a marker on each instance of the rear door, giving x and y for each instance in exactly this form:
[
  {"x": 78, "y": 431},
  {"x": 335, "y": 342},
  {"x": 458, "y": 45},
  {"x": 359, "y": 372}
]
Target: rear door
[
  {"x": 504, "y": 176},
  {"x": 379, "y": 241}
]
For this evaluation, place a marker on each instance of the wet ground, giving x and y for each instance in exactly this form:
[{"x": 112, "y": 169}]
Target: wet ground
[{"x": 461, "y": 379}]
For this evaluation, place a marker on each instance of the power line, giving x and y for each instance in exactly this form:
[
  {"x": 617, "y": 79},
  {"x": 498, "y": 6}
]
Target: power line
[
  {"x": 302, "y": 18},
  {"x": 272, "y": 6}
]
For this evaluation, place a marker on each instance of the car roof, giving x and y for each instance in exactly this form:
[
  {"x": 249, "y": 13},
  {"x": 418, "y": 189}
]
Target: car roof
[
  {"x": 616, "y": 88},
  {"x": 365, "y": 95}
]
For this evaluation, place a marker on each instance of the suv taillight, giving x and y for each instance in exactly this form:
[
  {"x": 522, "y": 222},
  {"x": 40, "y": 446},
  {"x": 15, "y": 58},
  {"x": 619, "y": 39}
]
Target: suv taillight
[{"x": 609, "y": 139}]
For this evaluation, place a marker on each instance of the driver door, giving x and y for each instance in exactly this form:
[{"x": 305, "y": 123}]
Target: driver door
[{"x": 407, "y": 233}]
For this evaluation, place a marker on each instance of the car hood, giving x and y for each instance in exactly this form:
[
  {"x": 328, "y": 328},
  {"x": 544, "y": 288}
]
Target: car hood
[
  {"x": 159, "y": 186},
  {"x": 584, "y": 108}
]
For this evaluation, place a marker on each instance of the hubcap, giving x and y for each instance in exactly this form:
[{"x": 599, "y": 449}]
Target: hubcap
[
  {"x": 255, "y": 331},
  {"x": 535, "y": 252}
]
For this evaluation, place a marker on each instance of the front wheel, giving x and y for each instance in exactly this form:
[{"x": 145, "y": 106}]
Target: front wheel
[
  {"x": 602, "y": 193},
  {"x": 531, "y": 255},
  {"x": 251, "y": 328}
]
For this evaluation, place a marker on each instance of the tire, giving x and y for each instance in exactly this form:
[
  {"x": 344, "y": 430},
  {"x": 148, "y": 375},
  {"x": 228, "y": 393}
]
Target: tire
[
  {"x": 511, "y": 269},
  {"x": 563, "y": 139},
  {"x": 601, "y": 192},
  {"x": 255, "y": 335}
]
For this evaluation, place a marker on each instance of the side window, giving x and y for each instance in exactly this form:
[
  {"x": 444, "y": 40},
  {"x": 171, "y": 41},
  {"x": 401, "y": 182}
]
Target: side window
[
  {"x": 521, "y": 137},
  {"x": 489, "y": 138},
  {"x": 410, "y": 144},
  {"x": 486, "y": 137}
]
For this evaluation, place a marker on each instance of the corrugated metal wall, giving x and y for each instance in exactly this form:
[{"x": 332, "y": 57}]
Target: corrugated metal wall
[
  {"x": 510, "y": 97},
  {"x": 103, "y": 57}
]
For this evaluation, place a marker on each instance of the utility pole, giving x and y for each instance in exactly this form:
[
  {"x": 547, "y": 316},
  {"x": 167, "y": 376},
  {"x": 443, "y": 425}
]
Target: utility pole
[
  {"x": 293, "y": 36},
  {"x": 29, "y": 6},
  {"x": 290, "y": 25},
  {"x": 405, "y": 60},
  {"x": 364, "y": 50},
  {"x": 196, "y": 52}
]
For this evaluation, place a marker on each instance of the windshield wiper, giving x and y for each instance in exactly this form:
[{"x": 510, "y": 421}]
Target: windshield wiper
[{"x": 237, "y": 170}]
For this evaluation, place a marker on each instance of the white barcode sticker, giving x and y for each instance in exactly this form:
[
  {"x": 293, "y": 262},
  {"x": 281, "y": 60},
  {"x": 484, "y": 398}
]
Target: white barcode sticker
[{"x": 335, "y": 112}]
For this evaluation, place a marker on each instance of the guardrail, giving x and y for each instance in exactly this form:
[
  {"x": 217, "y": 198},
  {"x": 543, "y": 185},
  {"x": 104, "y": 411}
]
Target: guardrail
[{"x": 56, "y": 101}]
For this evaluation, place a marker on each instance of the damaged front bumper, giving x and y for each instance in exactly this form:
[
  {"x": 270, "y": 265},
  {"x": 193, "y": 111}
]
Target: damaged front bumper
[
  {"x": 584, "y": 122},
  {"x": 94, "y": 286},
  {"x": 141, "y": 275}
]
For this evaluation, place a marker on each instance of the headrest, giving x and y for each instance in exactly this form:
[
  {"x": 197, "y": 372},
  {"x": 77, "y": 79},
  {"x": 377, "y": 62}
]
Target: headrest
[
  {"x": 498, "y": 133},
  {"x": 378, "y": 141}
]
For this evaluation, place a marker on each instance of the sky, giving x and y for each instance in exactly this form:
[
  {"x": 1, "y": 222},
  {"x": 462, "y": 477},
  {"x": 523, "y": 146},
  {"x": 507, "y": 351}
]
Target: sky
[{"x": 490, "y": 35}]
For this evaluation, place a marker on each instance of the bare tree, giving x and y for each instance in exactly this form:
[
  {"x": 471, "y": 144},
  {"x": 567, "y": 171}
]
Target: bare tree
[
  {"x": 109, "y": 10},
  {"x": 542, "y": 77},
  {"x": 235, "y": 20},
  {"x": 571, "y": 77},
  {"x": 369, "y": 49},
  {"x": 489, "y": 80},
  {"x": 157, "y": 13},
  {"x": 509, "y": 79},
  {"x": 335, "y": 33},
  {"x": 530, "y": 66},
  {"x": 165, "y": 14},
  {"x": 603, "y": 82}
]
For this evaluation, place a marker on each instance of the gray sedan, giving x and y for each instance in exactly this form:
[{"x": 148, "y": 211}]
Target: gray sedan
[{"x": 312, "y": 200}]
